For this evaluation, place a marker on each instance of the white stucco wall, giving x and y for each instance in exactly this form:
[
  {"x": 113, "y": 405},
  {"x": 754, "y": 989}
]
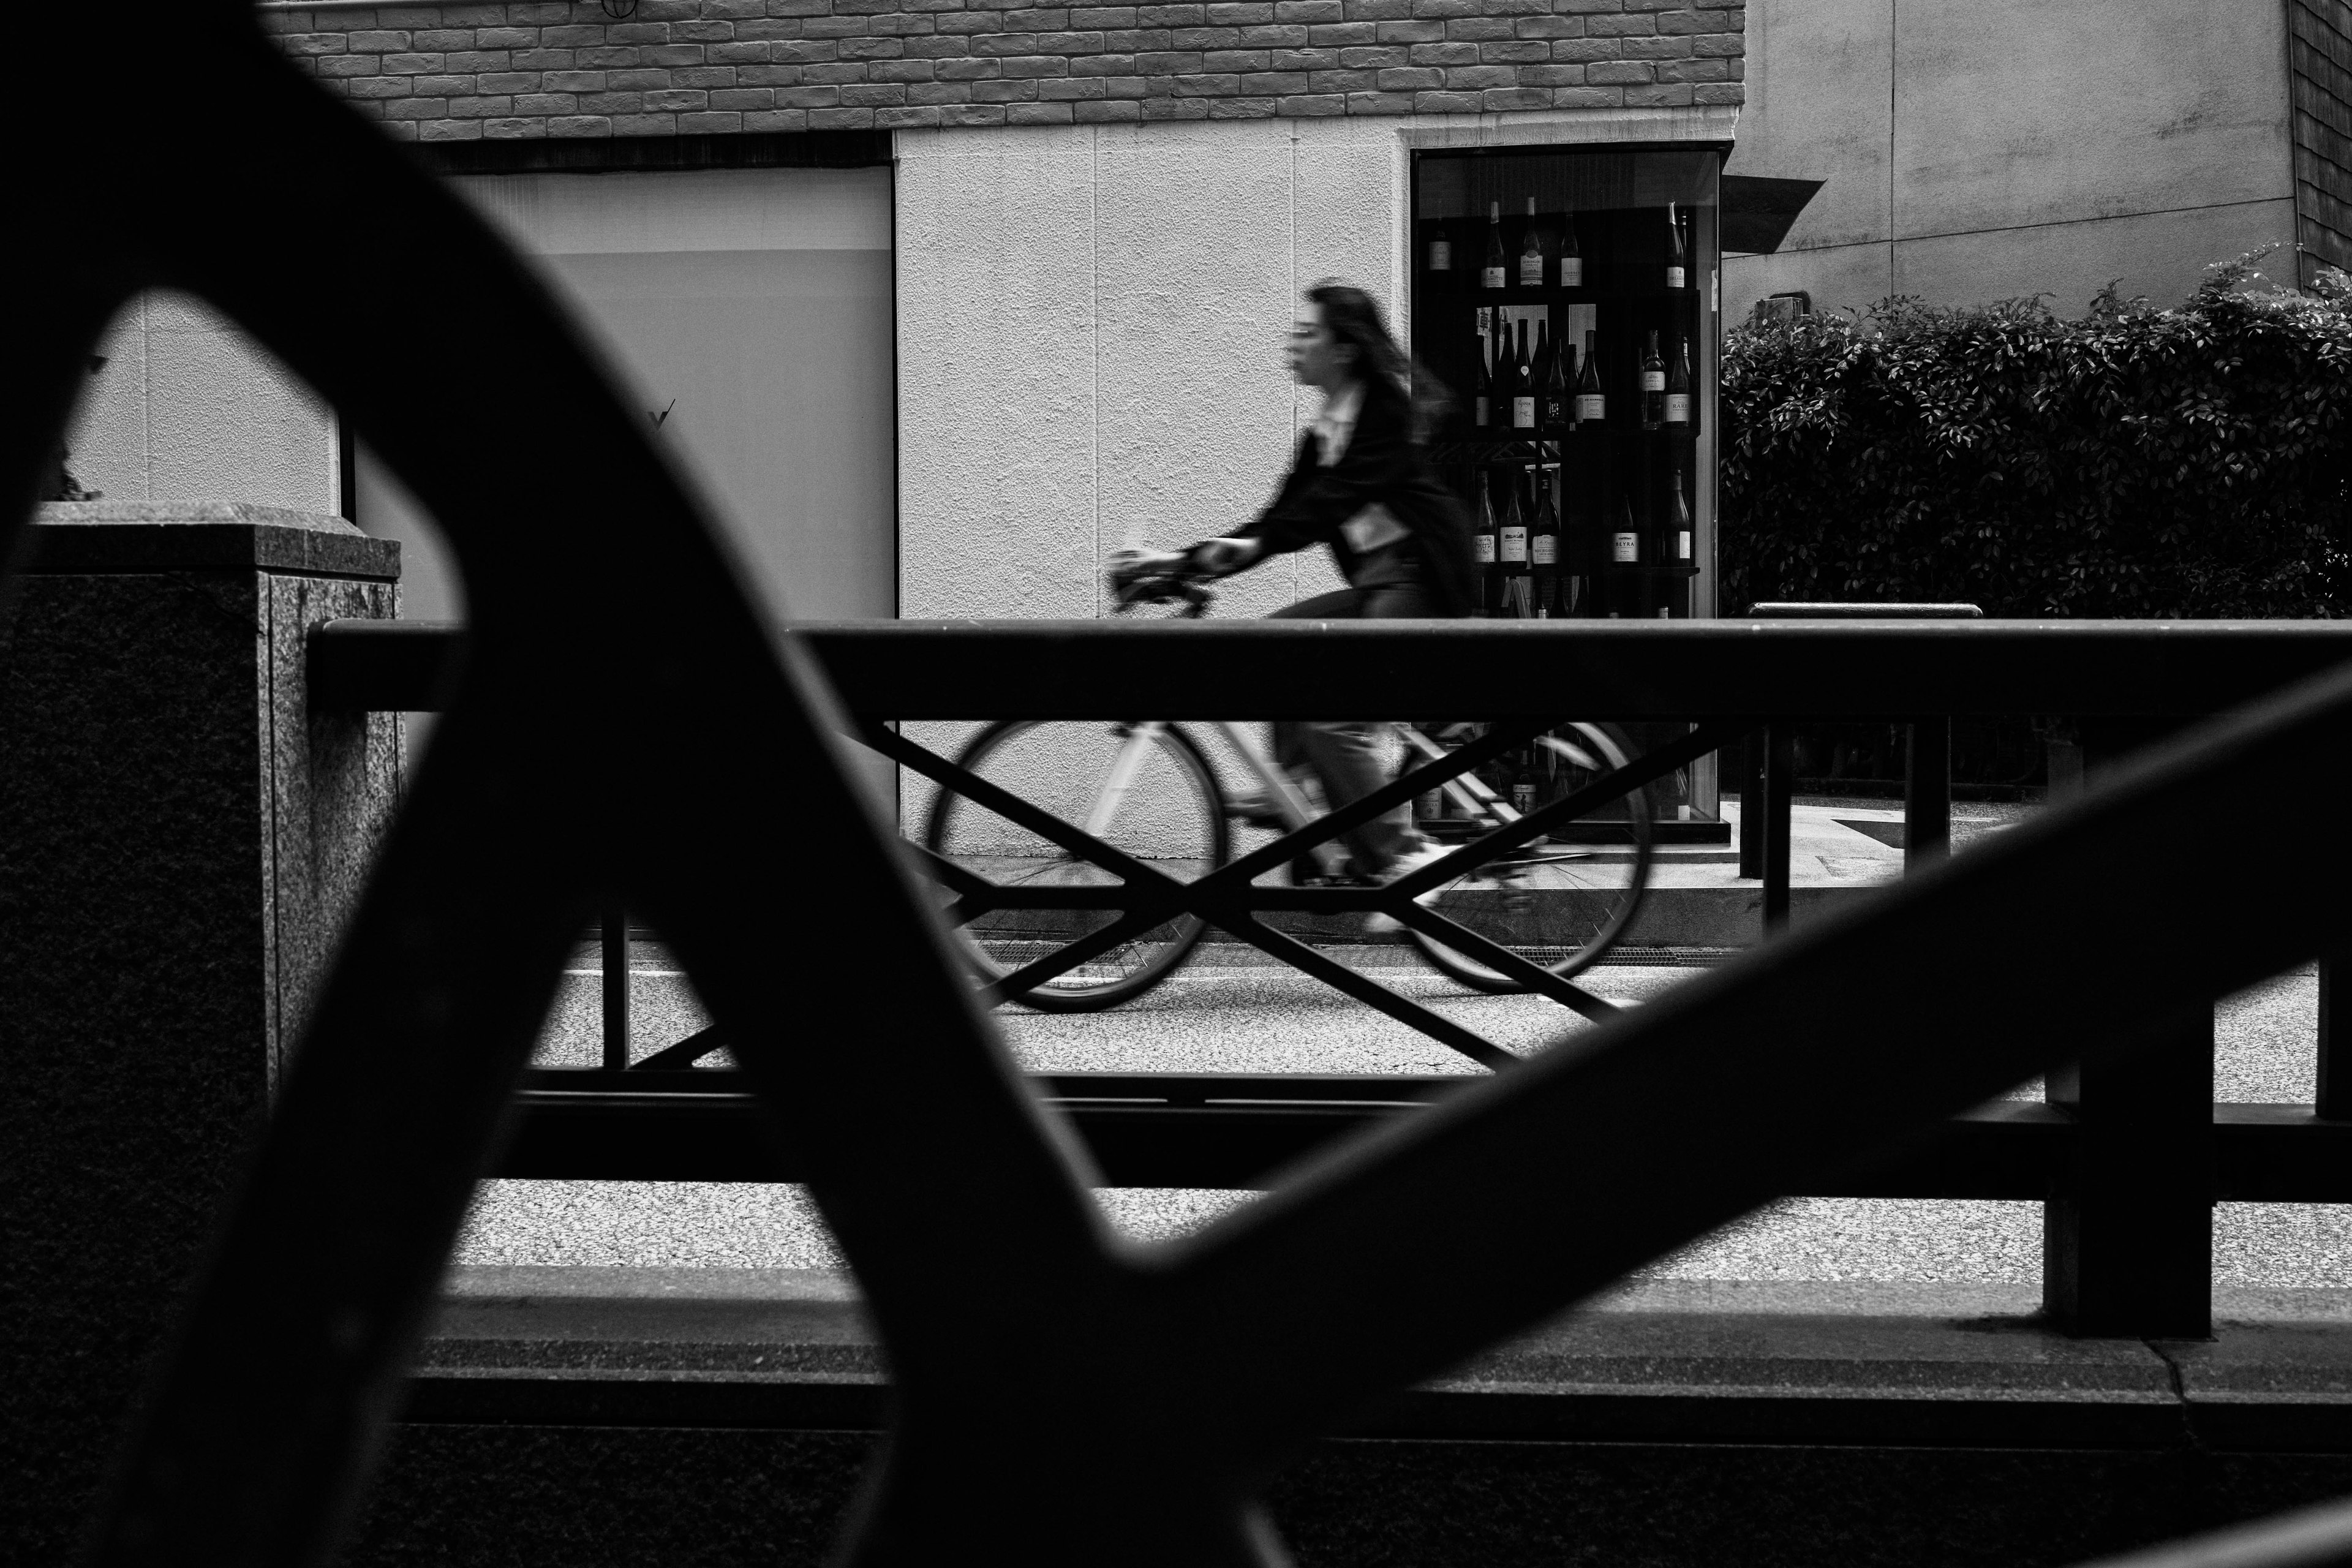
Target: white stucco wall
[
  {"x": 187, "y": 408},
  {"x": 2006, "y": 147},
  {"x": 1091, "y": 322}
]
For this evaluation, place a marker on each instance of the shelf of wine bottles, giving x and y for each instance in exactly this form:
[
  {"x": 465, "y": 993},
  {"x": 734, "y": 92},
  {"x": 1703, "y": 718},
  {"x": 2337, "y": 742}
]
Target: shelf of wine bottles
[{"x": 1569, "y": 343}]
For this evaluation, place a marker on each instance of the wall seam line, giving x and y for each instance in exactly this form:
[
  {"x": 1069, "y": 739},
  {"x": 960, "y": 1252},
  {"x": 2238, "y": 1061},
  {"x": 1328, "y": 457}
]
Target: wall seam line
[{"x": 1894, "y": 239}]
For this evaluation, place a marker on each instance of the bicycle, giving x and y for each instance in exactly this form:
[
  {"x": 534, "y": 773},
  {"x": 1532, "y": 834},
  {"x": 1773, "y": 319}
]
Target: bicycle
[{"x": 1150, "y": 791}]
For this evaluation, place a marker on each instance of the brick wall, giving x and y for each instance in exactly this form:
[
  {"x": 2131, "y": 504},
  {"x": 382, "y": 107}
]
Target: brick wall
[{"x": 702, "y": 66}]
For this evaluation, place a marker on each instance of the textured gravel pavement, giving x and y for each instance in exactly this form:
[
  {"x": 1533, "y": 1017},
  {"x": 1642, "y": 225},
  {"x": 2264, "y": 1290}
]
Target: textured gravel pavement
[{"x": 1231, "y": 1013}]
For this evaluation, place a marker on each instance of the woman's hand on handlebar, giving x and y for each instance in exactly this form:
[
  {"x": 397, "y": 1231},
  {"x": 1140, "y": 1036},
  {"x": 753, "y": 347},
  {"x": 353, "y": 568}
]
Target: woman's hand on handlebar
[{"x": 1225, "y": 556}]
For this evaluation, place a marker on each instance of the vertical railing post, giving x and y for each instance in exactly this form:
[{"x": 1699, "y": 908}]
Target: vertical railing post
[
  {"x": 2333, "y": 1098},
  {"x": 1927, "y": 793},
  {"x": 1751, "y": 805},
  {"x": 1780, "y": 784},
  {"x": 2127, "y": 1237},
  {"x": 616, "y": 986}
]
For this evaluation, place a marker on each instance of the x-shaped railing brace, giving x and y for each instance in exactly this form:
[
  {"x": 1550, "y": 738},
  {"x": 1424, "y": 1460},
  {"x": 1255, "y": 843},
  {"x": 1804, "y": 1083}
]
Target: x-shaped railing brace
[{"x": 1227, "y": 899}]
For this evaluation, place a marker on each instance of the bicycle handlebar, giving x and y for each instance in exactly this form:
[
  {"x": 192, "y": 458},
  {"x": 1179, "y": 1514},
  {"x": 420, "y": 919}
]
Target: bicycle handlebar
[{"x": 1138, "y": 579}]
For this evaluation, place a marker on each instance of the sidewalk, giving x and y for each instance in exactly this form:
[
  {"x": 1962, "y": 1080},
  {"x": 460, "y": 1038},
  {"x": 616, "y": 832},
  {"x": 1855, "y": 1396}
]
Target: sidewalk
[{"x": 1697, "y": 898}]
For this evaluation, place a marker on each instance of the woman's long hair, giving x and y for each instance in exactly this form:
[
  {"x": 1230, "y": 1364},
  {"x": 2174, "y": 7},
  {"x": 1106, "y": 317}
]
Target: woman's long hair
[{"x": 1354, "y": 317}]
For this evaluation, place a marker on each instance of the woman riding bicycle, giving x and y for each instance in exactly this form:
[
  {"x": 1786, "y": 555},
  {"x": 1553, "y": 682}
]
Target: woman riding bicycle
[{"x": 1363, "y": 484}]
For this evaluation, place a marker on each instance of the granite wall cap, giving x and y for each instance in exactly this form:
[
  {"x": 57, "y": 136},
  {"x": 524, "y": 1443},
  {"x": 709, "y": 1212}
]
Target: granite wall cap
[{"x": 203, "y": 535}]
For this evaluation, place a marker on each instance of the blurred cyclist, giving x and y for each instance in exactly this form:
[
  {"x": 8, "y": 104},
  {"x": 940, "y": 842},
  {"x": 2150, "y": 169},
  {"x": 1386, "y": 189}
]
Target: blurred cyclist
[{"x": 1361, "y": 483}]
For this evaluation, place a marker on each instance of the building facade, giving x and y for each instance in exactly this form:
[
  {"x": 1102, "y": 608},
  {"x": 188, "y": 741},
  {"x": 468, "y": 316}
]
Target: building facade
[
  {"x": 945, "y": 301},
  {"x": 1980, "y": 151}
]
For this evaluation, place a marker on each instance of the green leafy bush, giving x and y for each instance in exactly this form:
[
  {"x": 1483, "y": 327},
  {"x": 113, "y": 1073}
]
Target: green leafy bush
[{"x": 2137, "y": 461}]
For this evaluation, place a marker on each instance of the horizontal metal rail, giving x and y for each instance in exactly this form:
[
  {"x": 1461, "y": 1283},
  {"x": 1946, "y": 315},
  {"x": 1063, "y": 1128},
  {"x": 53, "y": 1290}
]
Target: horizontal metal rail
[
  {"x": 1184, "y": 1129},
  {"x": 1724, "y": 669}
]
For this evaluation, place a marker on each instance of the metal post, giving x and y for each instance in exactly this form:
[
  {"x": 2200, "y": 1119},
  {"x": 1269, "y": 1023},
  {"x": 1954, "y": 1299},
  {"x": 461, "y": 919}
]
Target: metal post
[
  {"x": 1927, "y": 793},
  {"x": 2333, "y": 1096},
  {"x": 2127, "y": 1239},
  {"x": 1779, "y": 750},
  {"x": 1751, "y": 805},
  {"x": 616, "y": 987}
]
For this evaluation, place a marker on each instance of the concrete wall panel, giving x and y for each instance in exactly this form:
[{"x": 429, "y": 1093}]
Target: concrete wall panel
[
  {"x": 996, "y": 379},
  {"x": 2160, "y": 254},
  {"x": 2022, "y": 123},
  {"x": 1848, "y": 278},
  {"x": 1193, "y": 282},
  {"x": 2020, "y": 112},
  {"x": 1820, "y": 100},
  {"x": 188, "y": 407},
  {"x": 1129, "y": 289}
]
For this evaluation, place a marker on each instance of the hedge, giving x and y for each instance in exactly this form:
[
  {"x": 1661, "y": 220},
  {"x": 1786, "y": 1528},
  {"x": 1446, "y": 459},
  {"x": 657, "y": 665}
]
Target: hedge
[{"x": 2136, "y": 461}]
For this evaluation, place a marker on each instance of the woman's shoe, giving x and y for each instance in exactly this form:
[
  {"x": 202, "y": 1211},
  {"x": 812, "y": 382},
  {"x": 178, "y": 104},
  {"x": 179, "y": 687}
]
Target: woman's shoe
[{"x": 1380, "y": 923}]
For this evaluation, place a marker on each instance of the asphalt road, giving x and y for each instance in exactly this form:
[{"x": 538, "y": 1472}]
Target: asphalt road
[{"x": 1228, "y": 1013}]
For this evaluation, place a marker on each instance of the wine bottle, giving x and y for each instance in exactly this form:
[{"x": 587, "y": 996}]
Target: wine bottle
[
  {"x": 1531, "y": 256},
  {"x": 1571, "y": 259},
  {"x": 1625, "y": 544},
  {"x": 1679, "y": 532},
  {"x": 1653, "y": 387},
  {"x": 1495, "y": 274},
  {"x": 1553, "y": 413},
  {"x": 1677, "y": 252},
  {"x": 1543, "y": 545},
  {"x": 1440, "y": 248},
  {"x": 1678, "y": 385},
  {"x": 1511, "y": 539},
  {"x": 1483, "y": 387},
  {"x": 1591, "y": 406},
  {"x": 1484, "y": 543},
  {"x": 1523, "y": 384}
]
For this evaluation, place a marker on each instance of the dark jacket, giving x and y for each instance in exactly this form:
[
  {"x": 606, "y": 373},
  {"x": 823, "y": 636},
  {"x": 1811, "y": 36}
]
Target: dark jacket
[{"x": 1383, "y": 464}]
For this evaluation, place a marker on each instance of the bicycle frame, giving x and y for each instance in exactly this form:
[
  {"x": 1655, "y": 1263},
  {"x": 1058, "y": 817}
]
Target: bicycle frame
[{"x": 1467, "y": 790}]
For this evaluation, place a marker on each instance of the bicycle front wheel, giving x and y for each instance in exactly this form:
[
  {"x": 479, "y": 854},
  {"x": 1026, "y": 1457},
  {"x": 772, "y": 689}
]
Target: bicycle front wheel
[
  {"x": 1563, "y": 903},
  {"x": 1145, "y": 790}
]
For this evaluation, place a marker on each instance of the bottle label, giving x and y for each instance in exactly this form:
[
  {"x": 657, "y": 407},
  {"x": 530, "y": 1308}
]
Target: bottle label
[
  {"x": 1591, "y": 406},
  {"x": 1653, "y": 381},
  {"x": 1674, "y": 278},
  {"x": 1484, "y": 544},
  {"x": 1523, "y": 413},
  {"x": 1681, "y": 545},
  {"x": 1677, "y": 407},
  {"x": 1523, "y": 798},
  {"x": 1441, "y": 256},
  {"x": 1491, "y": 277},
  {"x": 1543, "y": 549},
  {"x": 1531, "y": 271},
  {"x": 1486, "y": 411},
  {"x": 1515, "y": 546},
  {"x": 1572, "y": 272},
  {"x": 1627, "y": 548}
]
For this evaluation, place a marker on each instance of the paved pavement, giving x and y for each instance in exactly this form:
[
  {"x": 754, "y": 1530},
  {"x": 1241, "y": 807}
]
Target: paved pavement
[{"x": 1233, "y": 1012}]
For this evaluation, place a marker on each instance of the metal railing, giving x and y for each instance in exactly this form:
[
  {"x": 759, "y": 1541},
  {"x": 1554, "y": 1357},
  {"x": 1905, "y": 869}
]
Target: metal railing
[
  {"x": 1058, "y": 1399},
  {"x": 2105, "y": 1150}
]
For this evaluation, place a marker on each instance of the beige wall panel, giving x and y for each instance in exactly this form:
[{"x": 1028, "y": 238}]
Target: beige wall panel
[
  {"x": 996, "y": 374},
  {"x": 1849, "y": 277},
  {"x": 108, "y": 439},
  {"x": 225, "y": 421},
  {"x": 1193, "y": 269},
  {"x": 2159, "y": 255},
  {"x": 1348, "y": 202},
  {"x": 2021, "y": 112},
  {"x": 1819, "y": 77},
  {"x": 189, "y": 408}
]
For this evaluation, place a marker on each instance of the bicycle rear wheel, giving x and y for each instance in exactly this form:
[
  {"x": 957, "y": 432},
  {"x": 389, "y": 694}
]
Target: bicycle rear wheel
[
  {"x": 1562, "y": 904},
  {"x": 1147, "y": 792}
]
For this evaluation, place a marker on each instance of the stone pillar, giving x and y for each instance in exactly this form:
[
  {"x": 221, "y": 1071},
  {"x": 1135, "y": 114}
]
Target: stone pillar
[{"x": 180, "y": 841}]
